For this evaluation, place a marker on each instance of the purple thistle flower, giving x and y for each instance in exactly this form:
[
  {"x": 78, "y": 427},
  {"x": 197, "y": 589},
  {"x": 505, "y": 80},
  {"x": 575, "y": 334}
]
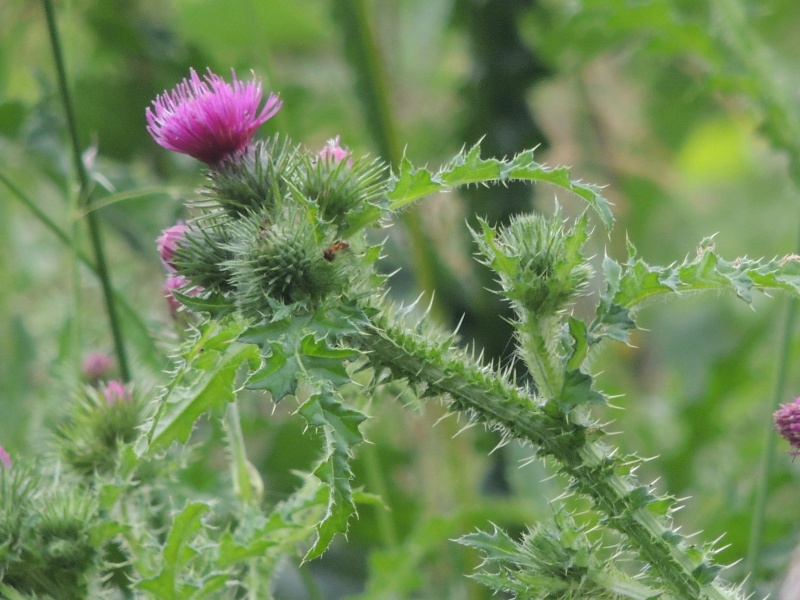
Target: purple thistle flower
[
  {"x": 115, "y": 391},
  {"x": 5, "y": 458},
  {"x": 334, "y": 152},
  {"x": 209, "y": 120},
  {"x": 168, "y": 244},
  {"x": 787, "y": 422},
  {"x": 96, "y": 365}
]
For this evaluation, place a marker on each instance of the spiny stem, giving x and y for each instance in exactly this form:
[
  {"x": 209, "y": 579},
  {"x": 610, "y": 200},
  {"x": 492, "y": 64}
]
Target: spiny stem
[
  {"x": 84, "y": 194},
  {"x": 594, "y": 470}
]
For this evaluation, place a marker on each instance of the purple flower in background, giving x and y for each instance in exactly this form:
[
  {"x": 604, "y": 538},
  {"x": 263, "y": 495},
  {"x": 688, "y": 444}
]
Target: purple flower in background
[
  {"x": 5, "y": 458},
  {"x": 334, "y": 152},
  {"x": 96, "y": 366},
  {"x": 115, "y": 391},
  {"x": 787, "y": 422},
  {"x": 209, "y": 120},
  {"x": 168, "y": 244}
]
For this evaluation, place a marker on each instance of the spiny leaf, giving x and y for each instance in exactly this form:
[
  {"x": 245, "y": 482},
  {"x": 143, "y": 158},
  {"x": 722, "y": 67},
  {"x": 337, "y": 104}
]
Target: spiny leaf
[
  {"x": 411, "y": 183},
  {"x": 578, "y": 390},
  {"x": 215, "y": 305},
  {"x": 176, "y": 553},
  {"x": 632, "y": 284},
  {"x": 340, "y": 427},
  {"x": 285, "y": 365},
  {"x": 204, "y": 383},
  {"x": 279, "y": 374}
]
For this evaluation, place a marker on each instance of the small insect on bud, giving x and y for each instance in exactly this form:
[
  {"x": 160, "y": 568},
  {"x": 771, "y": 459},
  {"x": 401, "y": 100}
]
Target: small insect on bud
[{"x": 330, "y": 252}]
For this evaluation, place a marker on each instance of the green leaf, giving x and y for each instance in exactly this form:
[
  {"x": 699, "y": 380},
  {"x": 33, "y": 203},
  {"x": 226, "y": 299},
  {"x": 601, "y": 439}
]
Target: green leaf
[
  {"x": 411, "y": 183},
  {"x": 176, "y": 552},
  {"x": 279, "y": 374},
  {"x": 323, "y": 362},
  {"x": 631, "y": 285},
  {"x": 204, "y": 383},
  {"x": 495, "y": 546},
  {"x": 580, "y": 343},
  {"x": 578, "y": 390},
  {"x": 215, "y": 305},
  {"x": 340, "y": 427},
  {"x": 288, "y": 357}
]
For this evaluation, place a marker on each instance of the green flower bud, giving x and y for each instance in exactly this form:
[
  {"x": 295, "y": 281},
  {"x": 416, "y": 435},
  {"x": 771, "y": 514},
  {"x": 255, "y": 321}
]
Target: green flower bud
[
  {"x": 201, "y": 254},
  {"x": 340, "y": 186},
  {"x": 541, "y": 268},
  {"x": 284, "y": 262},
  {"x": 98, "y": 423},
  {"x": 257, "y": 181}
]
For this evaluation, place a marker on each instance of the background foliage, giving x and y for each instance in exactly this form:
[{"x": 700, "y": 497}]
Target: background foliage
[{"x": 679, "y": 107}]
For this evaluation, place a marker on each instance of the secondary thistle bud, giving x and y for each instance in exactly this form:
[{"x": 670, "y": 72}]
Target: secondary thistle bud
[
  {"x": 115, "y": 391},
  {"x": 5, "y": 458},
  {"x": 168, "y": 244},
  {"x": 282, "y": 261},
  {"x": 96, "y": 366},
  {"x": 98, "y": 422},
  {"x": 339, "y": 185},
  {"x": 787, "y": 423},
  {"x": 540, "y": 263}
]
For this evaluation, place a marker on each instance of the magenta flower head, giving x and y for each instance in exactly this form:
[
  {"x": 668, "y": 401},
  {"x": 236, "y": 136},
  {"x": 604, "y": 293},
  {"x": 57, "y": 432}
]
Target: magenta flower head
[
  {"x": 334, "y": 152},
  {"x": 168, "y": 244},
  {"x": 115, "y": 391},
  {"x": 96, "y": 366},
  {"x": 787, "y": 423},
  {"x": 5, "y": 458},
  {"x": 209, "y": 119}
]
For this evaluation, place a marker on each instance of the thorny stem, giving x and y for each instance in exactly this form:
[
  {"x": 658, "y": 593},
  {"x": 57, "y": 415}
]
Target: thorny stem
[
  {"x": 595, "y": 472},
  {"x": 84, "y": 194}
]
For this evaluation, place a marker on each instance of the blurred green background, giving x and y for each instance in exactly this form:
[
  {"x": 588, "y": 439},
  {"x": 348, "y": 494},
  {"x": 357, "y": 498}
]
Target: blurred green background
[{"x": 665, "y": 103}]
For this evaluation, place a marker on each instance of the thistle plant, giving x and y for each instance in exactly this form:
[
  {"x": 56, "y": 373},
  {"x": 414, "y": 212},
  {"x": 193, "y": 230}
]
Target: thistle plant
[
  {"x": 277, "y": 245},
  {"x": 275, "y": 272}
]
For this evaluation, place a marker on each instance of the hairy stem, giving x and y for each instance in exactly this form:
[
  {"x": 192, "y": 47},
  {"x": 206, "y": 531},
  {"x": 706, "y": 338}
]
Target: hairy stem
[{"x": 436, "y": 369}]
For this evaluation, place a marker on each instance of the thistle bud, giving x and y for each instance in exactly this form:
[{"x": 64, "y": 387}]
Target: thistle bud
[
  {"x": 339, "y": 185},
  {"x": 5, "y": 458},
  {"x": 333, "y": 152},
  {"x": 96, "y": 366},
  {"x": 539, "y": 261},
  {"x": 168, "y": 244},
  {"x": 282, "y": 262},
  {"x": 115, "y": 391},
  {"x": 98, "y": 423}
]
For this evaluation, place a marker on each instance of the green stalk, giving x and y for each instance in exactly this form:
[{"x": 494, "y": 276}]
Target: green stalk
[
  {"x": 596, "y": 472},
  {"x": 242, "y": 484},
  {"x": 240, "y": 468},
  {"x": 84, "y": 194}
]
